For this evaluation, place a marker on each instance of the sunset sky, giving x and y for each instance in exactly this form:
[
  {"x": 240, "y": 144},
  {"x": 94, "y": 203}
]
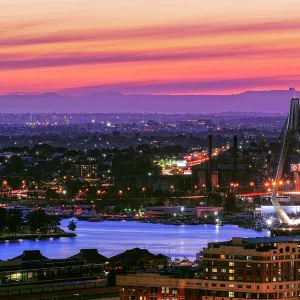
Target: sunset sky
[{"x": 149, "y": 46}]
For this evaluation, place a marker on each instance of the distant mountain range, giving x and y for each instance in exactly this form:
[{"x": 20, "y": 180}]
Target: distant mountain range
[{"x": 114, "y": 102}]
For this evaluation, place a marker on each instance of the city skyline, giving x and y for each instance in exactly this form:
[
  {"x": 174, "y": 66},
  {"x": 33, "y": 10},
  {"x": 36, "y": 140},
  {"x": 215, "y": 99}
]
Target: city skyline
[{"x": 169, "y": 47}]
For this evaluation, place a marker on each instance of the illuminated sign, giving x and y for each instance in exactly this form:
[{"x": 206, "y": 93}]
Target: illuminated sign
[{"x": 295, "y": 168}]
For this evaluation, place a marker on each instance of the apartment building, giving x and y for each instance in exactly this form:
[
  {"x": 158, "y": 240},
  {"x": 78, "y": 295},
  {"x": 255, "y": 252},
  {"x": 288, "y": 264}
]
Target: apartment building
[{"x": 242, "y": 268}]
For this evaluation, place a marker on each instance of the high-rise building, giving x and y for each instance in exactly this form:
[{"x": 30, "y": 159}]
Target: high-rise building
[{"x": 242, "y": 268}]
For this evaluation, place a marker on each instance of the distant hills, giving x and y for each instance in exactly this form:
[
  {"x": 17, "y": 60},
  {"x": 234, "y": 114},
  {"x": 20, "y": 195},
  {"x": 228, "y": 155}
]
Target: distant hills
[{"x": 106, "y": 102}]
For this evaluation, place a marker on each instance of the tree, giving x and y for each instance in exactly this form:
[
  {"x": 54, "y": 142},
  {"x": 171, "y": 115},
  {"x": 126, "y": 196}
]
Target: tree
[
  {"x": 72, "y": 225},
  {"x": 14, "y": 220},
  {"x": 38, "y": 220},
  {"x": 230, "y": 202},
  {"x": 3, "y": 219},
  {"x": 16, "y": 165}
]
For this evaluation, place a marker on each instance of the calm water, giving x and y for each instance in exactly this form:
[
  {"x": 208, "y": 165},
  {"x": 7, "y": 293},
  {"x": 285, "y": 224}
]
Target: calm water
[{"x": 113, "y": 237}]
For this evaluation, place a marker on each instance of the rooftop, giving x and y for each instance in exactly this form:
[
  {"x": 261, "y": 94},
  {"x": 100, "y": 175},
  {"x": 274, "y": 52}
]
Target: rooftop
[{"x": 257, "y": 242}]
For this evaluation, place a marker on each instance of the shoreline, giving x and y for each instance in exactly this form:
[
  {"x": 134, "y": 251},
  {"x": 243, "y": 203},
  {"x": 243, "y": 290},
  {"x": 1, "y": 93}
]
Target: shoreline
[{"x": 35, "y": 236}]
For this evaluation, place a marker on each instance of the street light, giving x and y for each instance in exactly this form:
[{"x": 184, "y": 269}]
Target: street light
[{"x": 144, "y": 191}]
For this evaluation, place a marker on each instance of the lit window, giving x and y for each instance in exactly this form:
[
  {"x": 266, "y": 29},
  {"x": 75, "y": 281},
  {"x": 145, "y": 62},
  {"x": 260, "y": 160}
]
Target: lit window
[
  {"x": 249, "y": 257},
  {"x": 231, "y": 294},
  {"x": 231, "y": 264},
  {"x": 231, "y": 271},
  {"x": 231, "y": 278},
  {"x": 214, "y": 270},
  {"x": 231, "y": 285},
  {"x": 222, "y": 256},
  {"x": 223, "y": 270}
]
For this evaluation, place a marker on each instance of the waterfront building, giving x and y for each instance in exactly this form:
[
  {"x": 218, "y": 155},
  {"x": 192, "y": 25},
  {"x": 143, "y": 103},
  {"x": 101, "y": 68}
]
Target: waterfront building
[
  {"x": 32, "y": 274},
  {"x": 200, "y": 212},
  {"x": 242, "y": 268}
]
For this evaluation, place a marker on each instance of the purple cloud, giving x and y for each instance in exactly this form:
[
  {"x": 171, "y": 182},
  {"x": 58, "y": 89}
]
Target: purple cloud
[
  {"x": 186, "y": 87},
  {"x": 81, "y": 58}
]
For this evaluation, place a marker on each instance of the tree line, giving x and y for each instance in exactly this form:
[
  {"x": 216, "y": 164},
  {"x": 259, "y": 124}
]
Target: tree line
[{"x": 37, "y": 221}]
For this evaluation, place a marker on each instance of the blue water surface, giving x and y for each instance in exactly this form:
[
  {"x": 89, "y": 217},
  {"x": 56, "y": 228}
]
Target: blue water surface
[{"x": 113, "y": 237}]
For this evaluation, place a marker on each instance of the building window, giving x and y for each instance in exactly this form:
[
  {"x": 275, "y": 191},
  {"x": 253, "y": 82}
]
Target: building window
[
  {"x": 240, "y": 286},
  {"x": 249, "y": 257},
  {"x": 214, "y": 270},
  {"x": 231, "y": 278},
  {"x": 223, "y": 270},
  {"x": 231, "y": 264},
  {"x": 222, "y": 285},
  {"x": 273, "y": 257},
  {"x": 231, "y": 285},
  {"x": 231, "y": 294},
  {"x": 175, "y": 291},
  {"x": 222, "y": 256},
  {"x": 214, "y": 277},
  {"x": 248, "y": 286},
  {"x": 231, "y": 271}
]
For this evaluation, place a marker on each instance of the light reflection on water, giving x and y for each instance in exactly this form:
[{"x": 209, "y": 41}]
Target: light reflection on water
[{"x": 113, "y": 237}]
